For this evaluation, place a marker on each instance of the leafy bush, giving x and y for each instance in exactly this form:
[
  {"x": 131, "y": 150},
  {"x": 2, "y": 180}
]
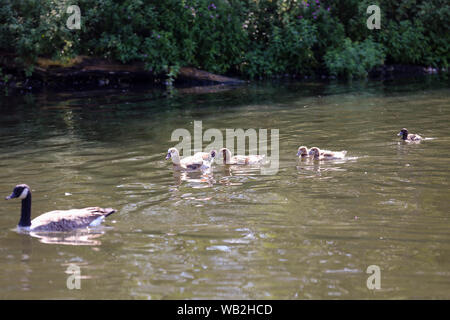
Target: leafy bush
[
  {"x": 405, "y": 42},
  {"x": 353, "y": 59},
  {"x": 31, "y": 29},
  {"x": 255, "y": 38},
  {"x": 288, "y": 49},
  {"x": 416, "y": 32}
]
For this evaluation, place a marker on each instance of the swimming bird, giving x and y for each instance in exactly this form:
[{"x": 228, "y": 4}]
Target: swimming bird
[
  {"x": 200, "y": 160},
  {"x": 411, "y": 137},
  {"x": 58, "y": 220},
  {"x": 302, "y": 152},
  {"x": 240, "y": 160},
  {"x": 318, "y": 154}
]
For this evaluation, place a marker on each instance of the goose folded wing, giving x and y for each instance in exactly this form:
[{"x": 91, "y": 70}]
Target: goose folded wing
[{"x": 62, "y": 220}]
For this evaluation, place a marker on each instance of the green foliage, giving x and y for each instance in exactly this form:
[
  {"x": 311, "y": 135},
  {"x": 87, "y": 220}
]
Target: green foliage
[
  {"x": 254, "y": 38},
  {"x": 166, "y": 34},
  {"x": 417, "y": 32},
  {"x": 288, "y": 49},
  {"x": 31, "y": 30},
  {"x": 412, "y": 31},
  {"x": 353, "y": 59},
  {"x": 4, "y": 77},
  {"x": 405, "y": 42}
]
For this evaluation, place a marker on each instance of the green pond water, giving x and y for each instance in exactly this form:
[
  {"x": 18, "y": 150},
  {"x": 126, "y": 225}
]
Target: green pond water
[{"x": 309, "y": 231}]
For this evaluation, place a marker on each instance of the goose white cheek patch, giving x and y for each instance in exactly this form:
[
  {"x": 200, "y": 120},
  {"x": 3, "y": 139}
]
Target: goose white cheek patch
[{"x": 24, "y": 194}]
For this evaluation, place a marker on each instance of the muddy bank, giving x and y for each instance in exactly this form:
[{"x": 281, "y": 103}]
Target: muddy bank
[
  {"x": 82, "y": 73},
  {"x": 85, "y": 73}
]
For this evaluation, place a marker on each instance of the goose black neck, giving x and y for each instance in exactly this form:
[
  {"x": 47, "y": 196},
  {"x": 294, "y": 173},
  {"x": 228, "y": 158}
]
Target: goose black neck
[{"x": 25, "y": 217}]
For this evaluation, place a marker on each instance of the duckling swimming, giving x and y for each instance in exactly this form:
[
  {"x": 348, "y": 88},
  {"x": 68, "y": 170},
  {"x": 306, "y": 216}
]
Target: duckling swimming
[
  {"x": 318, "y": 154},
  {"x": 240, "y": 160},
  {"x": 200, "y": 160},
  {"x": 302, "y": 152},
  {"x": 409, "y": 137}
]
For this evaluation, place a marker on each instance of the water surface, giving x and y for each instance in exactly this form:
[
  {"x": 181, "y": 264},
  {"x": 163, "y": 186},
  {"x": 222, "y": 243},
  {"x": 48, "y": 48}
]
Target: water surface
[{"x": 308, "y": 232}]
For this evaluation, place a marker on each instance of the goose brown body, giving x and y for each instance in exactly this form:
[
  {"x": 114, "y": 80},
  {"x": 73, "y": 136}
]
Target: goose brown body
[
  {"x": 57, "y": 220},
  {"x": 65, "y": 220}
]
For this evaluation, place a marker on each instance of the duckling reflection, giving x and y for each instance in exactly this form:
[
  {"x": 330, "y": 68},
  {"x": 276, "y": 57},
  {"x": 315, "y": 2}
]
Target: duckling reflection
[
  {"x": 317, "y": 167},
  {"x": 196, "y": 179},
  {"x": 236, "y": 175},
  {"x": 239, "y": 170},
  {"x": 308, "y": 165}
]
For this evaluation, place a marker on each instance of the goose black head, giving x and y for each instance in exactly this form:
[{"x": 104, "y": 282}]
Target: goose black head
[
  {"x": 403, "y": 133},
  {"x": 20, "y": 191}
]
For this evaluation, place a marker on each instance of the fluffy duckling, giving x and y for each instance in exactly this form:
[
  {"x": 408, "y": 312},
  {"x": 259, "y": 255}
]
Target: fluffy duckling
[
  {"x": 240, "y": 160},
  {"x": 200, "y": 160},
  {"x": 302, "y": 152},
  {"x": 318, "y": 154},
  {"x": 411, "y": 137},
  {"x": 58, "y": 220}
]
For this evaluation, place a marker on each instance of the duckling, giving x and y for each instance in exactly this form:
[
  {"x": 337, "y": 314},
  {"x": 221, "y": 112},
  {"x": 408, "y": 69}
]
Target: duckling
[
  {"x": 411, "y": 137},
  {"x": 318, "y": 154},
  {"x": 58, "y": 220},
  {"x": 207, "y": 156},
  {"x": 240, "y": 160},
  {"x": 302, "y": 152},
  {"x": 200, "y": 160}
]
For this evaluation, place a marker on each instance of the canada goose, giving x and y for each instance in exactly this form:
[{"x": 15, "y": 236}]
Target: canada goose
[
  {"x": 411, "y": 137},
  {"x": 302, "y": 152},
  {"x": 58, "y": 220},
  {"x": 240, "y": 160},
  {"x": 318, "y": 154},
  {"x": 200, "y": 160}
]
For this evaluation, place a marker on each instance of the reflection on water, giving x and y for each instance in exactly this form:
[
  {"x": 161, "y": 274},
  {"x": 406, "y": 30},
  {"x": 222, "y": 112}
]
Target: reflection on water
[
  {"x": 310, "y": 165},
  {"x": 85, "y": 237},
  {"x": 307, "y": 232},
  {"x": 194, "y": 179}
]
